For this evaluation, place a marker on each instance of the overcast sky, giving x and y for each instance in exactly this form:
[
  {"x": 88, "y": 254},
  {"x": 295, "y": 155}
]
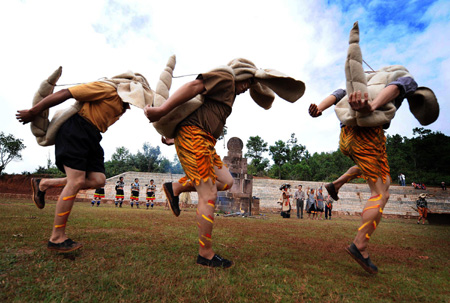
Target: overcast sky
[{"x": 304, "y": 39}]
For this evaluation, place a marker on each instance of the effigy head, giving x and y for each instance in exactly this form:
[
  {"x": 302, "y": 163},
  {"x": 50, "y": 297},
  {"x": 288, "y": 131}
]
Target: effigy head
[{"x": 266, "y": 83}]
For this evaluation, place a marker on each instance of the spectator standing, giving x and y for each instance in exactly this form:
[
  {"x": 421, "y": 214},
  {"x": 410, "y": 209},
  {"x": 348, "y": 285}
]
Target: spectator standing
[
  {"x": 120, "y": 195},
  {"x": 311, "y": 204},
  {"x": 98, "y": 195},
  {"x": 299, "y": 197},
  {"x": 135, "y": 193},
  {"x": 319, "y": 203},
  {"x": 422, "y": 207},
  {"x": 151, "y": 189},
  {"x": 328, "y": 207},
  {"x": 285, "y": 203}
]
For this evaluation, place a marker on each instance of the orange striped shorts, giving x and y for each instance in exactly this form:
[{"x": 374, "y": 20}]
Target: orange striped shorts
[
  {"x": 366, "y": 146},
  {"x": 197, "y": 155},
  {"x": 423, "y": 211}
]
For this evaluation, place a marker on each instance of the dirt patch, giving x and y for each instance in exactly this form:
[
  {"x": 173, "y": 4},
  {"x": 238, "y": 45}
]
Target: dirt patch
[{"x": 21, "y": 185}]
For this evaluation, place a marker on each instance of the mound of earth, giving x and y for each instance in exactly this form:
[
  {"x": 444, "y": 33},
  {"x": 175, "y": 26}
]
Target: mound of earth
[{"x": 21, "y": 185}]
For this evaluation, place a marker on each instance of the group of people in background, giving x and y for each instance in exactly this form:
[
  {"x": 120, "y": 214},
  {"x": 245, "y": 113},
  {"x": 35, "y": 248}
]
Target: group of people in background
[
  {"x": 134, "y": 197},
  {"x": 419, "y": 185},
  {"x": 316, "y": 202}
]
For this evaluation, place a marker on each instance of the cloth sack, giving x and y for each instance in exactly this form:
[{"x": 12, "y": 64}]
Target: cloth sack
[
  {"x": 131, "y": 88},
  {"x": 268, "y": 82},
  {"x": 422, "y": 103}
]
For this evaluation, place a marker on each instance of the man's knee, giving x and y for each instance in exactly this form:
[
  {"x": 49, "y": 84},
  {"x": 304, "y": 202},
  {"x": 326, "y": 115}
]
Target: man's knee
[
  {"x": 76, "y": 183},
  {"x": 97, "y": 180},
  {"x": 228, "y": 182},
  {"x": 386, "y": 198}
]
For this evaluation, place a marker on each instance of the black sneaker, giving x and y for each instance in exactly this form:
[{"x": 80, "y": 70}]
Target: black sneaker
[
  {"x": 64, "y": 247},
  {"x": 332, "y": 191},
  {"x": 174, "y": 201},
  {"x": 216, "y": 261},
  {"x": 365, "y": 263},
  {"x": 38, "y": 196}
]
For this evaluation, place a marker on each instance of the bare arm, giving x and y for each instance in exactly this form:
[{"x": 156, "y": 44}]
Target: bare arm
[
  {"x": 316, "y": 110},
  {"x": 28, "y": 115},
  {"x": 361, "y": 103},
  {"x": 181, "y": 95}
]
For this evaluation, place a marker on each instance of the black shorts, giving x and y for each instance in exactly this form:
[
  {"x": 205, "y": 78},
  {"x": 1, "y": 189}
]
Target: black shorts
[
  {"x": 77, "y": 146},
  {"x": 100, "y": 191},
  {"x": 312, "y": 209}
]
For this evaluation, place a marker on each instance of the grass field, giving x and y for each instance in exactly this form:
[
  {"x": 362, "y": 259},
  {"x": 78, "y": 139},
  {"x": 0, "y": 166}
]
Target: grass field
[{"x": 138, "y": 255}]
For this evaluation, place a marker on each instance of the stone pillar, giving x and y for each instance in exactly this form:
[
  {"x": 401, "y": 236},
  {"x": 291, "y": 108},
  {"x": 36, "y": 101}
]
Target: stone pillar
[{"x": 239, "y": 197}]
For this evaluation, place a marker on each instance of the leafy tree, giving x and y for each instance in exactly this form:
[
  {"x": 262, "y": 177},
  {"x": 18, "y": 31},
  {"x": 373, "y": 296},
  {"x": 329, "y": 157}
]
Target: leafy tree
[
  {"x": 431, "y": 156},
  {"x": 176, "y": 167},
  {"x": 153, "y": 156},
  {"x": 120, "y": 162},
  {"x": 256, "y": 147},
  {"x": 49, "y": 170},
  {"x": 296, "y": 151},
  {"x": 287, "y": 157},
  {"x": 10, "y": 149},
  {"x": 280, "y": 155},
  {"x": 399, "y": 153}
]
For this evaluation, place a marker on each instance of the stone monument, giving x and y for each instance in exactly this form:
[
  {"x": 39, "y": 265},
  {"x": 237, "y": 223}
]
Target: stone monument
[{"x": 240, "y": 197}]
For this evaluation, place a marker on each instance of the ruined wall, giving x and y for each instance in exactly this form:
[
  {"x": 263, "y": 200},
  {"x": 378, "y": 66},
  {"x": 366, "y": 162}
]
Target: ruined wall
[{"x": 352, "y": 196}]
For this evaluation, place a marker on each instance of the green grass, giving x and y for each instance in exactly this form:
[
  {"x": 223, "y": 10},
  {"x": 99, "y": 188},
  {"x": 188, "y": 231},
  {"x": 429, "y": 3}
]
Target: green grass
[{"x": 138, "y": 255}]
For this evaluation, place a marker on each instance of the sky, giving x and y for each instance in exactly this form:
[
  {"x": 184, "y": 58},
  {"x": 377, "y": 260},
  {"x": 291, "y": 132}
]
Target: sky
[{"x": 306, "y": 40}]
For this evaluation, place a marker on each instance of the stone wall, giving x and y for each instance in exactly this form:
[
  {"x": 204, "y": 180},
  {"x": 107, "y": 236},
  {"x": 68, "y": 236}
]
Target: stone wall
[
  {"x": 128, "y": 178},
  {"x": 352, "y": 196}
]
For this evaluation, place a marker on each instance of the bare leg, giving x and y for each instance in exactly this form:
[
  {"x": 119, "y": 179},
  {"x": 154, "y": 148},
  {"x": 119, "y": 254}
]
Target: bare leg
[
  {"x": 224, "y": 181},
  {"x": 371, "y": 215},
  {"x": 52, "y": 182},
  {"x": 349, "y": 175},
  {"x": 91, "y": 182},
  {"x": 76, "y": 179},
  {"x": 207, "y": 195}
]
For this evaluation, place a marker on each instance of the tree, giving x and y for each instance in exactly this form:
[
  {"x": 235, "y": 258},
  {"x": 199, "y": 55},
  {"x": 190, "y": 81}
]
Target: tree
[
  {"x": 176, "y": 167},
  {"x": 280, "y": 155},
  {"x": 10, "y": 149},
  {"x": 120, "y": 162},
  {"x": 287, "y": 157},
  {"x": 296, "y": 151},
  {"x": 153, "y": 156},
  {"x": 255, "y": 149}
]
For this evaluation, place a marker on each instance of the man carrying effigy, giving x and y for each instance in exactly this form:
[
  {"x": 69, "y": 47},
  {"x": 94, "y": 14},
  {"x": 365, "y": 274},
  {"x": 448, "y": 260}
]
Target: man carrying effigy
[
  {"x": 76, "y": 134},
  {"x": 194, "y": 117},
  {"x": 364, "y": 113}
]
